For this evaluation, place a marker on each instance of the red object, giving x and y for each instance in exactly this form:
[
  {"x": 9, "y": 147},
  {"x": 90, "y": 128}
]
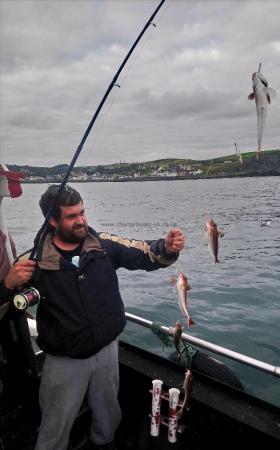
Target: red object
[{"x": 13, "y": 179}]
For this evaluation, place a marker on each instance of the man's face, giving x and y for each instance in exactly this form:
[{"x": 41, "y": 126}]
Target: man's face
[{"x": 72, "y": 226}]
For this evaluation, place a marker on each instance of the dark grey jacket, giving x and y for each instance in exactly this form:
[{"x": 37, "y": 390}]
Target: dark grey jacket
[{"x": 81, "y": 309}]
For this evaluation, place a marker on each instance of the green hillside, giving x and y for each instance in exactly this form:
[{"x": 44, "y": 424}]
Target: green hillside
[{"x": 226, "y": 166}]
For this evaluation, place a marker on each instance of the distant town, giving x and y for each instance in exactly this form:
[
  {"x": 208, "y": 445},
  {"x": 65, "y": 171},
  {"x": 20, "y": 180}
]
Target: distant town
[{"x": 163, "y": 169}]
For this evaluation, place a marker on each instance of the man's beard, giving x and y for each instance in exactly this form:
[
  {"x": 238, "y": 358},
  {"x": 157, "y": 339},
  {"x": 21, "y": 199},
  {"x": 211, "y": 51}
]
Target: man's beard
[{"x": 71, "y": 236}]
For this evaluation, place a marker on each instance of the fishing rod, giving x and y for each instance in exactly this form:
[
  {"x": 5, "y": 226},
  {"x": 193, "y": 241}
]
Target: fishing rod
[{"x": 113, "y": 83}]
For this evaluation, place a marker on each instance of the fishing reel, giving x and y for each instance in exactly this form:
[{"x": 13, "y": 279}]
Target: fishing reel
[{"x": 26, "y": 298}]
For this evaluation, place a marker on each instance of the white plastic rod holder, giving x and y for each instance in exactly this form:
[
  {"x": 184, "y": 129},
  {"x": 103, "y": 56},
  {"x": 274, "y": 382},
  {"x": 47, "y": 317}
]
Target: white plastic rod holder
[
  {"x": 156, "y": 402},
  {"x": 172, "y": 416}
]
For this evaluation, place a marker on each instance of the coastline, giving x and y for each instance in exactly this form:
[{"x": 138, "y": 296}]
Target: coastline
[
  {"x": 158, "y": 170},
  {"x": 154, "y": 178}
]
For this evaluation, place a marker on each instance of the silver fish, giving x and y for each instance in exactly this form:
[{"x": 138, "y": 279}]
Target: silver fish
[
  {"x": 187, "y": 388},
  {"x": 262, "y": 95},
  {"x": 183, "y": 287},
  {"x": 213, "y": 238},
  {"x": 177, "y": 333},
  {"x": 178, "y": 330}
]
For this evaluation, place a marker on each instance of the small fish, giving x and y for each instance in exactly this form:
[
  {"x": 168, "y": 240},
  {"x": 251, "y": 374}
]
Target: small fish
[
  {"x": 213, "y": 238},
  {"x": 177, "y": 333},
  {"x": 262, "y": 95},
  {"x": 177, "y": 336},
  {"x": 183, "y": 287},
  {"x": 187, "y": 388}
]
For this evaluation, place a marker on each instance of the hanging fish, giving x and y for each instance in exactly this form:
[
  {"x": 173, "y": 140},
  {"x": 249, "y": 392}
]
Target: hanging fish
[
  {"x": 262, "y": 95},
  {"x": 177, "y": 333},
  {"x": 213, "y": 238},
  {"x": 183, "y": 287},
  {"x": 187, "y": 389}
]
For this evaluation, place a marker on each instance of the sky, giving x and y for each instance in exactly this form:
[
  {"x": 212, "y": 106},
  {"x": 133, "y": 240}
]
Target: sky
[{"x": 182, "y": 94}]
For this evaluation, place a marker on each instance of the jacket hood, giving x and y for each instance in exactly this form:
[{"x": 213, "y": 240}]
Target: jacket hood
[{"x": 51, "y": 259}]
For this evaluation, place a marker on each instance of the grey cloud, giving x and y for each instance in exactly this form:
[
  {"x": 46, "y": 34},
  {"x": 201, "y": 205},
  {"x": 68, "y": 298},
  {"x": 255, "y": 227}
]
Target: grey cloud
[
  {"x": 202, "y": 102},
  {"x": 183, "y": 93}
]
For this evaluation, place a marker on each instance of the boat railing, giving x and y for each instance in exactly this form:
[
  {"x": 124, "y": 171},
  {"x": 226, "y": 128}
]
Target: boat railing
[{"x": 247, "y": 360}]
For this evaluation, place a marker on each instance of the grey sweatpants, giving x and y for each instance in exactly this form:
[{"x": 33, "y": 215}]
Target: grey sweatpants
[{"x": 64, "y": 384}]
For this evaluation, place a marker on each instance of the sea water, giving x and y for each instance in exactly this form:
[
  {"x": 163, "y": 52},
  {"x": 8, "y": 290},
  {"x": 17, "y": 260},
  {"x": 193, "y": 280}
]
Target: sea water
[{"x": 235, "y": 304}]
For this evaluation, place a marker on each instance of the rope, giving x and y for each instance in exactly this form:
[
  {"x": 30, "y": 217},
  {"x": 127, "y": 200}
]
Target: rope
[{"x": 186, "y": 353}]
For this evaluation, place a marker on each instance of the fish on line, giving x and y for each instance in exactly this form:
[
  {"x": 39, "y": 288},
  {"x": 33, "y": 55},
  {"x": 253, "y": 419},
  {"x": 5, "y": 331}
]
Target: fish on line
[
  {"x": 177, "y": 333},
  {"x": 262, "y": 94},
  {"x": 213, "y": 235},
  {"x": 183, "y": 287},
  {"x": 187, "y": 385}
]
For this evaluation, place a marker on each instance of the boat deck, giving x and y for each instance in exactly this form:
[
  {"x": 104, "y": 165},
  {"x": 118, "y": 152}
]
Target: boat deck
[{"x": 219, "y": 415}]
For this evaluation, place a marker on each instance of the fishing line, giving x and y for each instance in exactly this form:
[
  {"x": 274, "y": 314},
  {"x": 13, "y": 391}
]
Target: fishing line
[
  {"x": 38, "y": 271},
  {"x": 129, "y": 69},
  {"x": 114, "y": 97},
  {"x": 60, "y": 218},
  {"x": 56, "y": 230},
  {"x": 104, "y": 117},
  {"x": 113, "y": 83},
  {"x": 145, "y": 41},
  {"x": 164, "y": 11}
]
